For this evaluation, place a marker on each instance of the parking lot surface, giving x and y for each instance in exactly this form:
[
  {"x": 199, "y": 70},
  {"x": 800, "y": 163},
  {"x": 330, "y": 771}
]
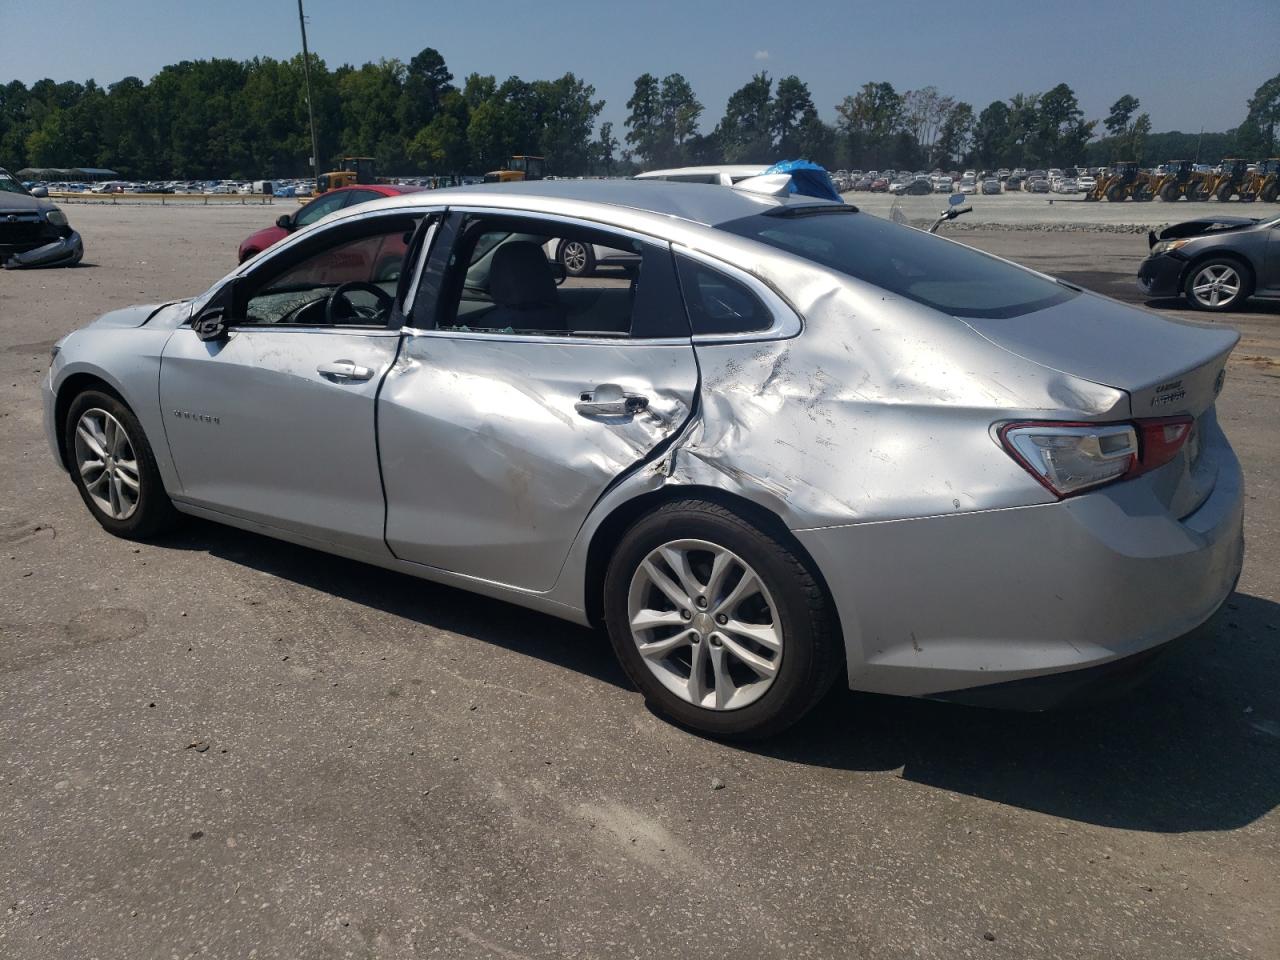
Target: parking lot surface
[{"x": 221, "y": 745}]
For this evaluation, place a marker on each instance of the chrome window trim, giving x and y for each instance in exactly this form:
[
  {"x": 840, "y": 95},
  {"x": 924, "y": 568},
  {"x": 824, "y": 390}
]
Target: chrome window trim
[
  {"x": 381, "y": 331},
  {"x": 433, "y": 228},
  {"x": 787, "y": 323},
  {"x": 266, "y": 256}
]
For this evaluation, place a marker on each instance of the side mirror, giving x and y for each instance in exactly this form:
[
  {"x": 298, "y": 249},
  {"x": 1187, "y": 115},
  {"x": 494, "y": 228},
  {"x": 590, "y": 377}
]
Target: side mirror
[
  {"x": 40, "y": 192},
  {"x": 212, "y": 323},
  {"x": 284, "y": 222}
]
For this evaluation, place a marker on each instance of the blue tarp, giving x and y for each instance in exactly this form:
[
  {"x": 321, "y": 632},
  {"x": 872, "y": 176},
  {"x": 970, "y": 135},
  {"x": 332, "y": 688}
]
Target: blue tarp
[{"x": 807, "y": 179}]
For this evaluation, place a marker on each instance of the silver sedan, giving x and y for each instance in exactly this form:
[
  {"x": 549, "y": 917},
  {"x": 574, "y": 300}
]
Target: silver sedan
[{"x": 790, "y": 445}]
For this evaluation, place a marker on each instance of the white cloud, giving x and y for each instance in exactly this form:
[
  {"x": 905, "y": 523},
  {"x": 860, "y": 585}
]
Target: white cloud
[{"x": 762, "y": 54}]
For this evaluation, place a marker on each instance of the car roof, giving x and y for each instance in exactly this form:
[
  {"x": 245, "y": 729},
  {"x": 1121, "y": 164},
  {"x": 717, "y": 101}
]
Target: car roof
[
  {"x": 733, "y": 169},
  {"x": 707, "y": 204}
]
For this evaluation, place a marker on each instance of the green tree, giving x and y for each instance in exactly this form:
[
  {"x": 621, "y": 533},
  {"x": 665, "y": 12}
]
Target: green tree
[
  {"x": 1121, "y": 114},
  {"x": 990, "y": 134},
  {"x": 868, "y": 121},
  {"x": 745, "y": 133},
  {"x": 426, "y": 82},
  {"x": 956, "y": 136},
  {"x": 568, "y": 115},
  {"x": 793, "y": 114},
  {"x": 644, "y": 119},
  {"x": 679, "y": 111},
  {"x": 1264, "y": 113}
]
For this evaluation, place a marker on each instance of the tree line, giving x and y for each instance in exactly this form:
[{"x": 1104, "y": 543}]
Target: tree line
[{"x": 243, "y": 119}]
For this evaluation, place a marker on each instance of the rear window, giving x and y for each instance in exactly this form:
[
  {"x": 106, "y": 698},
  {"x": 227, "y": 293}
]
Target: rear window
[{"x": 911, "y": 263}]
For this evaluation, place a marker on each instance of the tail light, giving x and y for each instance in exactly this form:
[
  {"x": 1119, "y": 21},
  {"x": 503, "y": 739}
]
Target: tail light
[{"x": 1069, "y": 458}]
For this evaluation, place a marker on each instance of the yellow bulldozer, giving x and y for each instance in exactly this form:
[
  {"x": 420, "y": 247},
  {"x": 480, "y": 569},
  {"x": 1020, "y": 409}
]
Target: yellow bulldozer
[
  {"x": 1178, "y": 176},
  {"x": 1123, "y": 181},
  {"x": 517, "y": 170},
  {"x": 1229, "y": 182},
  {"x": 1264, "y": 182},
  {"x": 354, "y": 170}
]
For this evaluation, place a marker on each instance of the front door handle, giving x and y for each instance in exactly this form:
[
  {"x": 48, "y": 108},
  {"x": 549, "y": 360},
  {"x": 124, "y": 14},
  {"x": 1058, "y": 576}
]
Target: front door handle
[
  {"x": 609, "y": 400},
  {"x": 344, "y": 371}
]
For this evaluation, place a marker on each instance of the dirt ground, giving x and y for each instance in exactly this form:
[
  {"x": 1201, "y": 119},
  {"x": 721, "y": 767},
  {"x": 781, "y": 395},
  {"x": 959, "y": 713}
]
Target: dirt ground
[{"x": 221, "y": 745}]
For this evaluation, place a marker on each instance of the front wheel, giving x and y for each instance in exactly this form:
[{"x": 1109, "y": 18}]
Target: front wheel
[
  {"x": 114, "y": 469},
  {"x": 721, "y": 626},
  {"x": 1217, "y": 284},
  {"x": 577, "y": 258}
]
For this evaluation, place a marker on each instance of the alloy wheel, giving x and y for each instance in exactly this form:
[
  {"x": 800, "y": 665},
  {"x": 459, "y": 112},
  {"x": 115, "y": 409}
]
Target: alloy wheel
[
  {"x": 574, "y": 255},
  {"x": 1216, "y": 285},
  {"x": 107, "y": 463},
  {"x": 705, "y": 625}
]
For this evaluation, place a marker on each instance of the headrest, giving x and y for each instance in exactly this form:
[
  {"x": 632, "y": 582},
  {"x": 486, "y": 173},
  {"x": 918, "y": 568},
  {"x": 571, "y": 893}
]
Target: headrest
[{"x": 521, "y": 276}]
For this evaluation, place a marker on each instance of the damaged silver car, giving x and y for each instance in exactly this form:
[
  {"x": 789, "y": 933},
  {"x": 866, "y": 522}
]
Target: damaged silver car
[
  {"x": 33, "y": 231},
  {"x": 789, "y": 444}
]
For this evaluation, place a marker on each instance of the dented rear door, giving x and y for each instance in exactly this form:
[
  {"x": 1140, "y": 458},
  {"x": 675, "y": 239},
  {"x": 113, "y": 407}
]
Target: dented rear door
[{"x": 491, "y": 455}]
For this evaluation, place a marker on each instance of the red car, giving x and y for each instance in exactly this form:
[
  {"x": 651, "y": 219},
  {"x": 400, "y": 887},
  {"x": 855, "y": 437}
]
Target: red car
[
  {"x": 880, "y": 185},
  {"x": 321, "y": 206}
]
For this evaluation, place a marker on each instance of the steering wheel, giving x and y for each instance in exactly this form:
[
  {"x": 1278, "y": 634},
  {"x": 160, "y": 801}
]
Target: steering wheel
[{"x": 331, "y": 317}]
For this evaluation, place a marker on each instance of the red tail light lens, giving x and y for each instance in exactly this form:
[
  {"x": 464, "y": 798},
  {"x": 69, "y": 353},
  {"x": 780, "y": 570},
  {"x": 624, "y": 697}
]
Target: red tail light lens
[
  {"x": 1162, "y": 439},
  {"x": 1070, "y": 458}
]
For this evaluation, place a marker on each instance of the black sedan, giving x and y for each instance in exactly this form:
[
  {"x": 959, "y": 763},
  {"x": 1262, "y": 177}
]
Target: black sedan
[
  {"x": 1216, "y": 263},
  {"x": 33, "y": 231}
]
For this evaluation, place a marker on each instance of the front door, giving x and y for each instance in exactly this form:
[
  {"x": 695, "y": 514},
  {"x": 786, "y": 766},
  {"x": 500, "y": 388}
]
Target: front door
[
  {"x": 504, "y": 422},
  {"x": 275, "y": 424}
]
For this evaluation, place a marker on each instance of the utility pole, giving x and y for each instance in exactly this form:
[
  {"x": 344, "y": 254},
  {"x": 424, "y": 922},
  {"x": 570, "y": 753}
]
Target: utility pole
[
  {"x": 1198, "y": 142},
  {"x": 311, "y": 112}
]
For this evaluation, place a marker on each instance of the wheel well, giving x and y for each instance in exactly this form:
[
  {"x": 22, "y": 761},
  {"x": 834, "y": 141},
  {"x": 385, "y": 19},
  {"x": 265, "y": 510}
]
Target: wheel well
[
  {"x": 1245, "y": 266},
  {"x": 71, "y": 388},
  {"x": 606, "y": 537}
]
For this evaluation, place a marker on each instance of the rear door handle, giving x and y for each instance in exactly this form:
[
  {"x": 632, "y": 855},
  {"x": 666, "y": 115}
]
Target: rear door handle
[
  {"x": 609, "y": 400},
  {"x": 344, "y": 371}
]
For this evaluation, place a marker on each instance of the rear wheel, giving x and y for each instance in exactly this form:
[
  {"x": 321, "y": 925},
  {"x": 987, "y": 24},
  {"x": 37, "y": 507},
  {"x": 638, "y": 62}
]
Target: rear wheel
[
  {"x": 1269, "y": 193},
  {"x": 114, "y": 469},
  {"x": 1217, "y": 284},
  {"x": 1115, "y": 194},
  {"x": 721, "y": 626},
  {"x": 1195, "y": 192},
  {"x": 1223, "y": 193},
  {"x": 577, "y": 258},
  {"x": 1170, "y": 193}
]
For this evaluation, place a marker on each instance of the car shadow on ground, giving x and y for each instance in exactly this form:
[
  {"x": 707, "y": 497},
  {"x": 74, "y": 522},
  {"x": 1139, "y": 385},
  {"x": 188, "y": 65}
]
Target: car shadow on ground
[
  {"x": 432, "y": 605},
  {"x": 1256, "y": 307},
  {"x": 1194, "y": 747}
]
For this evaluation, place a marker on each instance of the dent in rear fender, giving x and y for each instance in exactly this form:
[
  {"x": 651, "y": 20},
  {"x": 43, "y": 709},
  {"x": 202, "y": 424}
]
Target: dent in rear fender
[{"x": 879, "y": 409}]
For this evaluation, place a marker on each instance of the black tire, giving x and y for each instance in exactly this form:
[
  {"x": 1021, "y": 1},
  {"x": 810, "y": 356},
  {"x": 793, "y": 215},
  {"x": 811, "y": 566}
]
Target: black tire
[
  {"x": 1195, "y": 193},
  {"x": 577, "y": 257},
  {"x": 1242, "y": 271},
  {"x": 1115, "y": 194},
  {"x": 1170, "y": 193},
  {"x": 812, "y": 657},
  {"x": 1224, "y": 192},
  {"x": 1269, "y": 193},
  {"x": 154, "y": 512}
]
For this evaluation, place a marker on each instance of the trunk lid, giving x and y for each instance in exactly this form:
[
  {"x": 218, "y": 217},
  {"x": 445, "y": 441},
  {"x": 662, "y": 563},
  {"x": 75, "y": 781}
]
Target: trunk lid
[{"x": 1168, "y": 367}]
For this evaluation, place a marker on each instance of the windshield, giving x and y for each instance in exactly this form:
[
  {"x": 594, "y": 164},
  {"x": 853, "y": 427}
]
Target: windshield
[
  {"x": 946, "y": 276},
  {"x": 10, "y": 185}
]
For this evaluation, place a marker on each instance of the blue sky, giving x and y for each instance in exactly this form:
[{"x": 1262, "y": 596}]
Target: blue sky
[{"x": 1191, "y": 64}]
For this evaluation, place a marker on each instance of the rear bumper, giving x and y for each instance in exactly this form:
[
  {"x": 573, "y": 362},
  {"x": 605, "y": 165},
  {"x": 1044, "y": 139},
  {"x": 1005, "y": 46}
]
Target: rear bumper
[
  {"x": 1161, "y": 276},
  {"x": 940, "y": 605},
  {"x": 61, "y": 252}
]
